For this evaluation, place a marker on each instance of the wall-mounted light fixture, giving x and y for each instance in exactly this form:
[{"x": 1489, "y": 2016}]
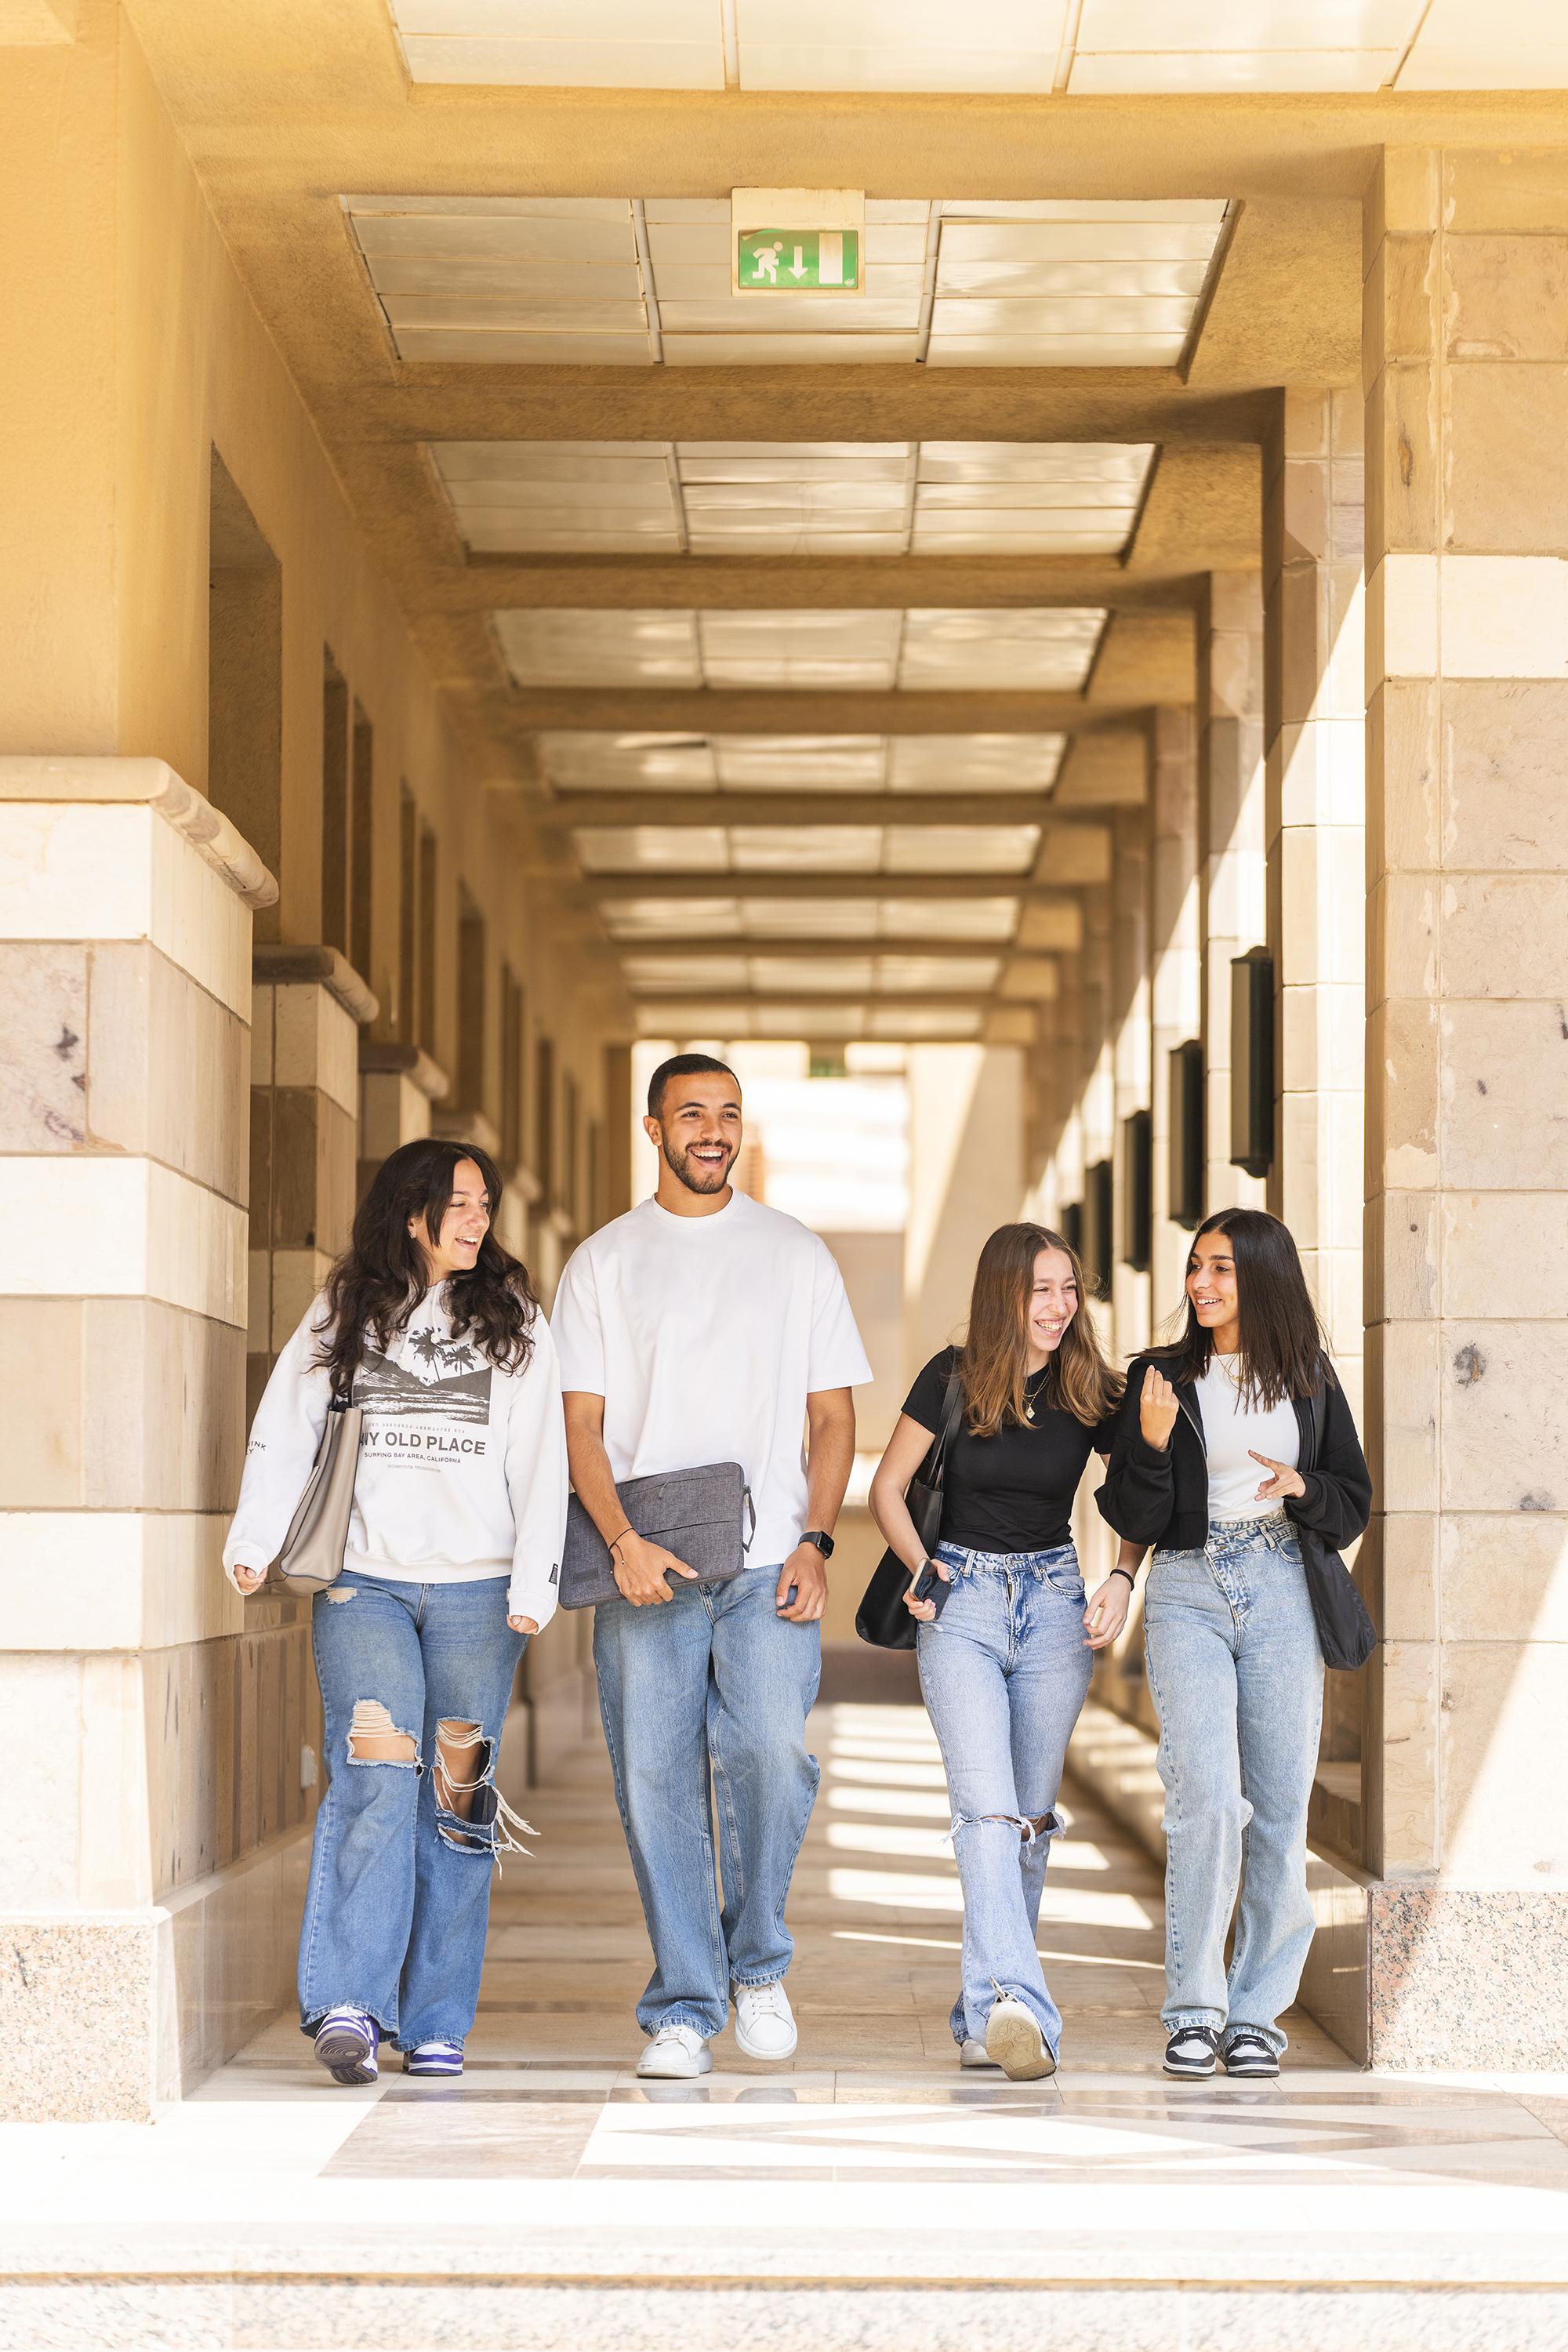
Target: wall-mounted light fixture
[
  {"x": 1137, "y": 1191},
  {"x": 1252, "y": 1061},
  {"x": 1185, "y": 1171}
]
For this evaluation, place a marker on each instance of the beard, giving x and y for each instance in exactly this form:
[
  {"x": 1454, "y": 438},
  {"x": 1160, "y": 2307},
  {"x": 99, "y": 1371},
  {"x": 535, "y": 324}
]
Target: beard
[{"x": 695, "y": 1174}]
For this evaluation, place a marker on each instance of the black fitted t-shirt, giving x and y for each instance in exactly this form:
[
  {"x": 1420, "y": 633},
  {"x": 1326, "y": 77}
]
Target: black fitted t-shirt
[{"x": 1012, "y": 1492}]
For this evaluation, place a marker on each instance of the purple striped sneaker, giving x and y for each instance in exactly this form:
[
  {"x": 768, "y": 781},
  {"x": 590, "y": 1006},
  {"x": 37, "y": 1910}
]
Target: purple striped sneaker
[
  {"x": 345, "y": 2045},
  {"x": 433, "y": 2058}
]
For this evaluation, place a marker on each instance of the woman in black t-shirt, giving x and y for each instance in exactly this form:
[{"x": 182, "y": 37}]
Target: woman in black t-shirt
[{"x": 1006, "y": 1653}]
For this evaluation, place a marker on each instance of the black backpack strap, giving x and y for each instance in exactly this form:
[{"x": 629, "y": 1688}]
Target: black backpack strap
[{"x": 1320, "y": 1404}]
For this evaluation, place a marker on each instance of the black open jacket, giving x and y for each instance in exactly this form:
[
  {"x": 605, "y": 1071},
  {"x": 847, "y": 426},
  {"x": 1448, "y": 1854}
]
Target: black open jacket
[{"x": 1162, "y": 1498}]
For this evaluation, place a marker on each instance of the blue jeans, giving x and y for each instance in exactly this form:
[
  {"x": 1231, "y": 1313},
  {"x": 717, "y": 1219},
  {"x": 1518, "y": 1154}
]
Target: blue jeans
[
  {"x": 399, "y": 1895},
  {"x": 1237, "y": 1678},
  {"x": 1005, "y": 1671},
  {"x": 704, "y": 1699}
]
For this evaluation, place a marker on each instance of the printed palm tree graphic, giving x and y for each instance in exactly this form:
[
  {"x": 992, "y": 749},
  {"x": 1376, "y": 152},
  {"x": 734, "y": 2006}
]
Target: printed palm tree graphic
[
  {"x": 459, "y": 1358},
  {"x": 427, "y": 1347}
]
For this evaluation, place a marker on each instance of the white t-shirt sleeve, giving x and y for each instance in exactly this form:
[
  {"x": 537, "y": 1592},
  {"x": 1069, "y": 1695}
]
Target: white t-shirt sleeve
[
  {"x": 536, "y": 1483},
  {"x": 836, "y": 1357},
  {"x": 285, "y": 1438},
  {"x": 577, "y": 1326}
]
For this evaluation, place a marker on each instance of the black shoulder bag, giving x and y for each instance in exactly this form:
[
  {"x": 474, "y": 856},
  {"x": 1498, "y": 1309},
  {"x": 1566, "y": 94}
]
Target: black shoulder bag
[
  {"x": 1346, "y": 1635},
  {"x": 881, "y": 1619}
]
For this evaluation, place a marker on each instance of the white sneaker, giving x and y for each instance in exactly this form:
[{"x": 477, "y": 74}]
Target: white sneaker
[
  {"x": 765, "y": 2023},
  {"x": 675, "y": 2050},
  {"x": 974, "y": 2053},
  {"x": 1015, "y": 2043}
]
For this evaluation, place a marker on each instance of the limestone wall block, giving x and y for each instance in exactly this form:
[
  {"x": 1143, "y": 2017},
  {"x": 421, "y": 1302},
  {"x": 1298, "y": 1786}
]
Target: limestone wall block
[
  {"x": 1505, "y": 1576},
  {"x": 1505, "y": 1254},
  {"x": 1505, "y": 298},
  {"x": 1504, "y": 798},
  {"x": 1501, "y": 1703},
  {"x": 1504, "y": 1433},
  {"x": 1502, "y": 453},
  {"x": 1504, "y": 1110},
  {"x": 1405, "y": 1605}
]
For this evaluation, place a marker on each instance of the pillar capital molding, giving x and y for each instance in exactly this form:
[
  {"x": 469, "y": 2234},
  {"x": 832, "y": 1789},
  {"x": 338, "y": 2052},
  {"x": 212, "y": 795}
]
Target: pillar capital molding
[
  {"x": 153, "y": 784},
  {"x": 276, "y": 966}
]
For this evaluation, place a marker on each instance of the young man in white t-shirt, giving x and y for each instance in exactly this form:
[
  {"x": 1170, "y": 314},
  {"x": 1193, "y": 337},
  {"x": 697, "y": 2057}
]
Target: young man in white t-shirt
[{"x": 704, "y": 1328}]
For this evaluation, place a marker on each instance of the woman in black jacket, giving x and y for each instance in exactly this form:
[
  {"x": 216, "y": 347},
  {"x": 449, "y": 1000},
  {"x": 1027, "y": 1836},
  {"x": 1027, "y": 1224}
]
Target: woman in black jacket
[{"x": 1215, "y": 1464}]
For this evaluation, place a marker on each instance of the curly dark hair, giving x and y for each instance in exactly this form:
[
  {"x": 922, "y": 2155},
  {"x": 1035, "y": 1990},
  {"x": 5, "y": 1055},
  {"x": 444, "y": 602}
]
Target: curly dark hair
[{"x": 383, "y": 1275}]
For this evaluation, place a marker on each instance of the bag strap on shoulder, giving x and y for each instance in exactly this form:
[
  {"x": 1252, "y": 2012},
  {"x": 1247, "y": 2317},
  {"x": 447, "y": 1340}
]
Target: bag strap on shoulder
[
  {"x": 953, "y": 1407},
  {"x": 1320, "y": 1408}
]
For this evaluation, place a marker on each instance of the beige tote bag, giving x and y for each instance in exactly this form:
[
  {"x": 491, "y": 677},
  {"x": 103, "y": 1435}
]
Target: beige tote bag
[{"x": 313, "y": 1548}]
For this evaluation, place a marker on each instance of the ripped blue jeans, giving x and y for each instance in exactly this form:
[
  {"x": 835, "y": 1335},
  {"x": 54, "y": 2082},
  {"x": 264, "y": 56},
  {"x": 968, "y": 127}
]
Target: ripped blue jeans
[
  {"x": 1005, "y": 1671},
  {"x": 399, "y": 1897}
]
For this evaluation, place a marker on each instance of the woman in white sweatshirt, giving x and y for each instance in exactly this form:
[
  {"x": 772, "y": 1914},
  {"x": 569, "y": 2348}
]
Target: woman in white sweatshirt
[{"x": 453, "y": 1556}]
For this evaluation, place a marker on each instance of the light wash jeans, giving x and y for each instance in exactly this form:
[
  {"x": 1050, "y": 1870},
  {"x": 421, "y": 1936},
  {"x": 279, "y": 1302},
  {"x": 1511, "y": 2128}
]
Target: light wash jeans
[
  {"x": 1237, "y": 1678},
  {"x": 704, "y": 1699},
  {"x": 399, "y": 1895},
  {"x": 1005, "y": 1671}
]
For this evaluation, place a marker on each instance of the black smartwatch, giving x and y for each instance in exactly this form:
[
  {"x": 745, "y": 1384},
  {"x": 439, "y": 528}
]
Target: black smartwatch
[{"x": 824, "y": 1543}]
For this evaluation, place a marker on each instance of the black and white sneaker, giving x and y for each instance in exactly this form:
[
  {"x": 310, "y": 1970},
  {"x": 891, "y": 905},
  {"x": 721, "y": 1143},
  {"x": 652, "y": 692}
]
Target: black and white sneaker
[
  {"x": 1193, "y": 2050},
  {"x": 1247, "y": 2054}
]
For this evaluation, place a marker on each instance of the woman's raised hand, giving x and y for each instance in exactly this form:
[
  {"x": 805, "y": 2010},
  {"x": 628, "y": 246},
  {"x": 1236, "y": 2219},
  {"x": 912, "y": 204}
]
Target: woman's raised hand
[
  {"x": 1157, "y": 1409},
  {"x": 1281, "y": 1481}
]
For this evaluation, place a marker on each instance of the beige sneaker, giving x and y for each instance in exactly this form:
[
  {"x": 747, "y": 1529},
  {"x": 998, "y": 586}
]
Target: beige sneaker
[{"x": 1013, "y": 2041}]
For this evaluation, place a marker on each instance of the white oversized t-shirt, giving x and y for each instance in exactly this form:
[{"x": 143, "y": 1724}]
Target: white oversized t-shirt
[
  {"x": 705, "y": 1336},
  {"x": 1230, "y": 1429}
]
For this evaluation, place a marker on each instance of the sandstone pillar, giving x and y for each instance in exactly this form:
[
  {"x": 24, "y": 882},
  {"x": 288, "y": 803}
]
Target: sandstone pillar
[
  {"x": 1467, "y": 420},
  {"x": 1130, "y": 1044},
  {"x": 161, "y": 1742}
]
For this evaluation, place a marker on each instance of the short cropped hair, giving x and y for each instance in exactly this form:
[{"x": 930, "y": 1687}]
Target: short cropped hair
[{"x": 683, "y": 1065}]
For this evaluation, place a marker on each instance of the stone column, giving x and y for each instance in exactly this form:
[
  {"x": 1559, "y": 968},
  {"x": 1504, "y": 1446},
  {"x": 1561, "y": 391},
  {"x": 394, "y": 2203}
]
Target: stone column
[
  {"x": 1175, "y": 970},
  {"x": 1467, "y": 1107},
  {"x": 1231, "y": 902},
  {"x": 397, "y": 1084},
  {"x": 304, "y": 1136},
  {"x": 1315, "y": 796},
  {"x": 159, "y": 1740}
]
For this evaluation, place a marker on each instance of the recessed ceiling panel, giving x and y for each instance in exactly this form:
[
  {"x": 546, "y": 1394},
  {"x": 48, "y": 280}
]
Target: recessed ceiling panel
[
  {"x": 573, "y": 648},
  {"x": 983, "y": 922},
  {"x": 588, "y": 761},
  {"x": 1000, "y": 46},
  {"x": 1027, "y": 649},
  {"x": 570, "y": 44},
  {"x": 1097, "y": 285},
  {"x": 807, "y": 849}
]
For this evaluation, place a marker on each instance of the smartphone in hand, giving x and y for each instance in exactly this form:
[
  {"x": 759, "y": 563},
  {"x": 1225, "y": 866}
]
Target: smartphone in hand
[{"x": 929, "y": 1586}]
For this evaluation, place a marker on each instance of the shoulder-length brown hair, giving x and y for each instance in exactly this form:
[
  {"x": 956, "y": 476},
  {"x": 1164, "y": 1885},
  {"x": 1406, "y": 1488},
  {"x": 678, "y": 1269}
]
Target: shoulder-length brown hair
[{"x": 993, "y": 1361}]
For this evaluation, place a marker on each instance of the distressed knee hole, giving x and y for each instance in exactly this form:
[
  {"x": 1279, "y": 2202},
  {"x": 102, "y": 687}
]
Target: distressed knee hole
[
  {"x": 375, "y": 1738},
  {"x": 1028, "y": 1826},
  {"x": 471, "y": 1814}
]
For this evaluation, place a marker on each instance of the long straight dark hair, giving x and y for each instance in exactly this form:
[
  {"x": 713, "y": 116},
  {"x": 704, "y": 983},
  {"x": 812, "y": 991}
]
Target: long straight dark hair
[
  {"x": 382, "y": 1276},
  {"x": 993, "y": 1363},
  {"x": 1283, "y": 1352}
]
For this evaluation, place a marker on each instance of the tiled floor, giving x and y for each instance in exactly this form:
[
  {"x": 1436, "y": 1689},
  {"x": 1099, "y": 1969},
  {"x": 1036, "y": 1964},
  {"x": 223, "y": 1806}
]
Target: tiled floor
[{"x": 870, "y": 2156}]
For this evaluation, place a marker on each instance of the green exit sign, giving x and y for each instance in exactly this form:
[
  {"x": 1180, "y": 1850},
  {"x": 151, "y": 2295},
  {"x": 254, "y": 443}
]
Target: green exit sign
[{"x": 797, "y": 261}]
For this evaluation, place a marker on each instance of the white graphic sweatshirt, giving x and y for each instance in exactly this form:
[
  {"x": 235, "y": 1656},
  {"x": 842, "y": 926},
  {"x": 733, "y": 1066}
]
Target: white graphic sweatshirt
[{"x": 462, "y": 1468}]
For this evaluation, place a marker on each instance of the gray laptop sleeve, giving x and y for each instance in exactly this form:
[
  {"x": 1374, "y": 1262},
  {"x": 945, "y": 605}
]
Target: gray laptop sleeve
[{"x": 704, "y": 1517}]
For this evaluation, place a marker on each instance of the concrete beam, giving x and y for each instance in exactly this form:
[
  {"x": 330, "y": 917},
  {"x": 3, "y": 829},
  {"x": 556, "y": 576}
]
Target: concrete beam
[
  {"x": 786, "y": 807},
  {"x": 707, "y": 583},
  {"x": 708, "y": 710},
  {"x": 610, "y": 889}
]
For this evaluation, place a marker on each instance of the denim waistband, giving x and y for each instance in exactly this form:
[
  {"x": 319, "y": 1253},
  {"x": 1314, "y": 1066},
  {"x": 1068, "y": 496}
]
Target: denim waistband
[
  {"x": 1007, "y": 1563},
  {"x": 1234, "y": 1535}
]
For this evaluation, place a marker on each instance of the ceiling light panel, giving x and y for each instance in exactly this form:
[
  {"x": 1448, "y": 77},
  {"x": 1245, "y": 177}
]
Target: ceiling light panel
[
  {"x": 1515, "y": 44},
  {"x": 1034, "y": 497},
  {"x": 1222, "y": 45},
  {"x": 807, "y": 849},
  {"x": 999, "y": 46},
  {"x": 563, "y": 44},
  {"x": 572, "y": 648},
  {"x": 763, "y": 498},
  {"x": 961, "y": 921},
  {"x": 800, "y": 648},
  {"x": 562, "y": 497},
  {"x": 509, "y": 280},
  {"x": 586, "y": 761},
  {"x": 1030, "y": 649},
  {"x": 1047, "y": 652},
  {"x": 1069, "y": 285}
]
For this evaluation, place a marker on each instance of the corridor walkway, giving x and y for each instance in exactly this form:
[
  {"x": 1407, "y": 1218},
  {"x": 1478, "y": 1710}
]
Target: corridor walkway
[{"x": 550, "y": 2182}]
